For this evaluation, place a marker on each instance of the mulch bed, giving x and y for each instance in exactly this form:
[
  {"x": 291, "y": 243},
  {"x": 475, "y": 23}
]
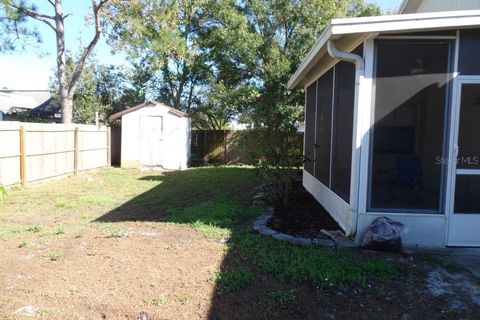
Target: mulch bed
[{"x": 303, "y": 216}]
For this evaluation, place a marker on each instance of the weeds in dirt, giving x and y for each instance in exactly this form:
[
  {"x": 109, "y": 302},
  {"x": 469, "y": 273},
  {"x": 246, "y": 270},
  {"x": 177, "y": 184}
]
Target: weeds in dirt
[
  {"x": 283, "y": 299},
  {"x": 234, "y": 280},
  {"x": 62, "y": 204},
  {"x": 59, "y": 231},
  {"x": 8, "y": 230},
  {"x": 159, "y": 301},
  {"x": 46, "y": 312},
  {"x": 118, "y": 233},
  {"x": 87, "y": 217},
  {"x": 35, "y": 229},
  {"x": 56, "y": 255},
  {"x": 23, "y": 244}
]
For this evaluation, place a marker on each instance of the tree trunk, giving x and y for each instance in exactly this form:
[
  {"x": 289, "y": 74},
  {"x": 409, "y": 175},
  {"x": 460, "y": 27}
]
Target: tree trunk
[
  {"x": 67, "y": 109},
  {"x": 67, "y": 104}
]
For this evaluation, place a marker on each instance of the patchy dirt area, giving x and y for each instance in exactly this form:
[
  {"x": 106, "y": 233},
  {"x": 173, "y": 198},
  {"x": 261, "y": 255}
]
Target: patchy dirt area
[
  {"x": 120, "y": 244},
  {"x": 163, "y": 272},
  {"x": 408, "y": 296}
]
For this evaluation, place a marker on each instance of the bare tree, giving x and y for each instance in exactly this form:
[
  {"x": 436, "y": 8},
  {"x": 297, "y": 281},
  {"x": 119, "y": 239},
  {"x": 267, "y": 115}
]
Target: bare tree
[{"x": 67, "y": 86}]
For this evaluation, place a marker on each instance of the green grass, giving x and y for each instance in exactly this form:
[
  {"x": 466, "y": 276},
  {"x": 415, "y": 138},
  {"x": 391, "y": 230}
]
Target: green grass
[
  {"x": 214, "y": 218},
  {"x": 234, "y": 280},
  {"x": 3, "y": 193},
  {"x": 325, "y": 267}
]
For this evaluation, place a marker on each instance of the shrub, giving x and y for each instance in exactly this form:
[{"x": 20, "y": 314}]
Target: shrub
[{"x": 278, "y": 159}]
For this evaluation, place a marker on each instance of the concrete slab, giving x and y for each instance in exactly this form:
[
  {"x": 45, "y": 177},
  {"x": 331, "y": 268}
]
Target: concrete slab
[
  {"x": 471, "y": 263},
  {"x": 469, "y": 258}
]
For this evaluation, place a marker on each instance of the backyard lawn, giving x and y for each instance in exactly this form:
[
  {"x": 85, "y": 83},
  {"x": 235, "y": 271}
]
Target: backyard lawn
[{"x": 127, "y": 244}]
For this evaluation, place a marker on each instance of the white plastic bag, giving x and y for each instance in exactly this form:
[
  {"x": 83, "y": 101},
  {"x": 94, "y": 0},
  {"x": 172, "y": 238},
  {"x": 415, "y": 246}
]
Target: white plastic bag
[{"x": 384, "y": 234}]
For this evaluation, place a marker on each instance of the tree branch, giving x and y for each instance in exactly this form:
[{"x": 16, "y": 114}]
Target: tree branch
[
  {"x": 35, "y": 15},
  {"x": 88, "y": 50}
]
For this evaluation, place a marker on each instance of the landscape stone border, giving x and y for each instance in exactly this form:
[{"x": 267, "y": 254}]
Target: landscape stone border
[{"x": 260, "y": 224}]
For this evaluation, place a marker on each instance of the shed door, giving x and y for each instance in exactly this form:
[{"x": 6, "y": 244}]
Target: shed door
[
  {"x": 464, "y": 226},
  {"x": 151, "y": 136}
]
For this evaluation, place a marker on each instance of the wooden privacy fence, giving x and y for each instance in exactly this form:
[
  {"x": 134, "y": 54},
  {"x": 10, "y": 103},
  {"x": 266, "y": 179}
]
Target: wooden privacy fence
[
  {"x": 34, "y": 151},
  {"x": 231, "y": 147}
]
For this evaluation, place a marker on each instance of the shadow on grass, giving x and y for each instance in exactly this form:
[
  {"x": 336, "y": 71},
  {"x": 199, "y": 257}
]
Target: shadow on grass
[
  {"x": 260, "y": 278},
  {"x": 216, "y": 196}
]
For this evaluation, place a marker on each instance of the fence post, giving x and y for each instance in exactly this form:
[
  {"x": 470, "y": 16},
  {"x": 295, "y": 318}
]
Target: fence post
[
  {"x": 109, "y": 146},
  {"x": 23, "y": 157},
  {"x": 77, "y": 151},
  {"x": 224, "y": 146}
]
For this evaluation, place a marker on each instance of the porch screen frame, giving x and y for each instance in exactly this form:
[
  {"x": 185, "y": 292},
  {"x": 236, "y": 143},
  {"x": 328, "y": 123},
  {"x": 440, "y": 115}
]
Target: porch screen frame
[{"x": 452, "y": 69}]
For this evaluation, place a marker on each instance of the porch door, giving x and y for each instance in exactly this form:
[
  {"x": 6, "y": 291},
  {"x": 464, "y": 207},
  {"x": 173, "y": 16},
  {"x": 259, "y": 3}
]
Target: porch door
[
  {"x": 151, "y": 135},
  {"x": 464, "y": 194}
]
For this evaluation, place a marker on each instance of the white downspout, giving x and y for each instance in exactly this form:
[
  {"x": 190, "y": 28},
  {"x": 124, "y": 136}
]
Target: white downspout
[{"x": 355, "y": 173}]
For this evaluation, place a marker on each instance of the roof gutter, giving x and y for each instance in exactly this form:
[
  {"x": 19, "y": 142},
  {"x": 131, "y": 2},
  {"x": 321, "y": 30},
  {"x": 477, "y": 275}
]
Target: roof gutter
[{"x": 359, "y": 76}]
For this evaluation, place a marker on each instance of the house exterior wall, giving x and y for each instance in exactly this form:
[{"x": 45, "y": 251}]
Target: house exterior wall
[
  {"x": 175, "y": 141},
  {"x": 447, "y": 5},
  {"x": 422, "y": 6},
  {"x": 425, "y": 229}
]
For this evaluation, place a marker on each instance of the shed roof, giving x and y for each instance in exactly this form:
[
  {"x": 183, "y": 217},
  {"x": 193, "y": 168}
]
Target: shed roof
[
  {"x": 351, "y": 32},
  {"x": 173, "y": 111}
]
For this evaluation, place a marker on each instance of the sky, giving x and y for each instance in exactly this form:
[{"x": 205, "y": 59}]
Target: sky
[{"x": 31, "y": 69}]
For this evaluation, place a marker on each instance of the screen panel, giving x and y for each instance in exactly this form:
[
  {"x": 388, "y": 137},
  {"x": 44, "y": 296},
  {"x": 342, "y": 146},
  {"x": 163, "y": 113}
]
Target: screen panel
[
  {"x": 343, "y": 114},
  {"x": 408, "y": 135},
  {"x": 324, "y": 127},
  {"x": 309, "y": 151}
]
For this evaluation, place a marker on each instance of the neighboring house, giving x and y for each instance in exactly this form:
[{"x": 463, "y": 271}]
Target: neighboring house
[
  {"x": 152, "y": 135},
  {"x": 13, "y": 102},
  {"x": 50, "y": 111},
  {"x": 392, "y": 121}
]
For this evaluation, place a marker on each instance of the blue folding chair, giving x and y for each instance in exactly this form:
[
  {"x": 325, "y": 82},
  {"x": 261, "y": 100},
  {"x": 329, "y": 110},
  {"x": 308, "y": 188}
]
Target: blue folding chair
[{"x": 406, "y": 175}]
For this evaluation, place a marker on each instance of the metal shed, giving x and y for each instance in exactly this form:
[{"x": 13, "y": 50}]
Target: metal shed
[{"x": 152, "y": 135}]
